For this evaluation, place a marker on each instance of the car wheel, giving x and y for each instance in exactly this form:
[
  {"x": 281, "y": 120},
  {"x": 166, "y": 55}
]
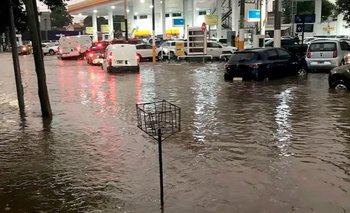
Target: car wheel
[
  {"x": 302, "y": 72},
  {"x": 227, "y": 77},
  {"x": 51, "y": 52},
  {"x": 340, "y": 85},
  {"x": 172, "y": 55}
]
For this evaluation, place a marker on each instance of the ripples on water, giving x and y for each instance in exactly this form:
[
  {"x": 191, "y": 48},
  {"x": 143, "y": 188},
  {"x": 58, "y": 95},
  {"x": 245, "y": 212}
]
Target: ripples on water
[{"x": 277, "y": 146}]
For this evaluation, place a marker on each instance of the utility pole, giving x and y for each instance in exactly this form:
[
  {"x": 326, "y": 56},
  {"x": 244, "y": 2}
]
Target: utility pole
[
  {"x": 153, "y": 34},
  {"x": 126, "y": 19},
  {"x": 33, "y": 24},
  {"x": 277, "y": 31},
  {"x": 16, "y": 65},
  {"x": 241, "y": 25}
]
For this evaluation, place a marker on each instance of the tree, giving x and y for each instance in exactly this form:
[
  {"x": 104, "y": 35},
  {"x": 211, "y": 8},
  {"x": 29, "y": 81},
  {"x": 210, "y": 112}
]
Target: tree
[
  {"x": 20, "y": 16},
  {"x": 343, "y": 6},
  {"x": 20, "y": 13},
  {"x": 60, "y": 17},
  {"x": 100, "y": 20},
  {"x": 307, "y": 7},
  {"x": 328, "y": 10}
]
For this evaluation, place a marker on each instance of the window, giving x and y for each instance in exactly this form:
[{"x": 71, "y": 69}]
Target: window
[
  {"x": 140, "y": 47},
  {"x": 143, "y": 17},
  {"x": 344, "y": 46},
  {"x": 283, "y": 54},
  {"x": 271, "y": 55},
  {"x": 135, "y": 17},
  {"x": 202, "y": 13},
  {"x": 176, "y": 14},
  {"x": 326, "y": 46},
  {"x": 167, "y": 15},
  {"x": 213, "y": 45},
  {"x": 243, "y": 56}
]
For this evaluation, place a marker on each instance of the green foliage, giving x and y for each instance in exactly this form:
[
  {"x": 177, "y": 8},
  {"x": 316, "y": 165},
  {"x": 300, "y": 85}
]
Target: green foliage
[
  {"x": 60, "y": 17},
  {"x": 20, "y": 13},
  {"x": 343, "y": 6},
  {"x": 307, "y": 7}
]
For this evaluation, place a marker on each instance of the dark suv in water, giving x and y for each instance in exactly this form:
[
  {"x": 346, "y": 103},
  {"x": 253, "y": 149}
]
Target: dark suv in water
[{"x": 262, "y": 63}]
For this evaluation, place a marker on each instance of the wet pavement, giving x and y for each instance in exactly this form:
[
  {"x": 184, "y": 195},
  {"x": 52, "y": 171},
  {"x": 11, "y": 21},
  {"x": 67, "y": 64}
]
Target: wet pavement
[{"x": 277, "y": 146}]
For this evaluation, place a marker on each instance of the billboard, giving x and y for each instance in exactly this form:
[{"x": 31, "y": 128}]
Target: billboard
[
  {"x": 253, "y": 15},
  {"x": 178, "y": 22}
]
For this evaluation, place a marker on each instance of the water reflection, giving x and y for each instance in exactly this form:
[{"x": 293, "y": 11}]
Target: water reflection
[{"x": 284, "y": 129}]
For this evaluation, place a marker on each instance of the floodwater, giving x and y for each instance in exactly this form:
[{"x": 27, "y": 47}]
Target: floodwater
[{"x": 277, "y": 146}]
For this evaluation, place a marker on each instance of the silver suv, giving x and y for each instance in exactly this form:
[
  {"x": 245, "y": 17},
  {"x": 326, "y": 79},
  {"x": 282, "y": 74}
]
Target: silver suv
[{"x": 327, "y": 54}]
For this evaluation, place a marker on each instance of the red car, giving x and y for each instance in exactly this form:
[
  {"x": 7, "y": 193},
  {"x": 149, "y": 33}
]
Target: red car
[{"x": 96, "y": 52}]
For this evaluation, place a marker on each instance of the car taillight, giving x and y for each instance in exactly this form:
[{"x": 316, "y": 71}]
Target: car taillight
[
  {"x": 308, "y": 54},
  {"x": 254, "y": 66},
  {"x": 226, "y": 66},
  {"x": 110, "y": 57},
  {"x": 137, "y": 58},
  {"x": 335, "y": 54},
  {"x": 99, "y": 45},
  {"x": 91, "y": 55}
]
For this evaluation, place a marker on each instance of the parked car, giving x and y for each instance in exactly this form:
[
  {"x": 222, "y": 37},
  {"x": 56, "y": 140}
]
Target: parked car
[
  {"x": 49, "y": 48},
  {"x": 327, "y": 54},
  {"x": 96, "y": 52},
  {"x": 262, "y": 63},
  {"x": 339, "y": 78},
  {"x": 121, "y": 57},
  {"x": 216, "y": 49},
  {"x": 144, "y": 51},
  {"x": 289, "y": 44}
]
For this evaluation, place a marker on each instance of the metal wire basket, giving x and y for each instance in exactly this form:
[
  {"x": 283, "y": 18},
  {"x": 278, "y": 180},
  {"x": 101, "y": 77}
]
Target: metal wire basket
[{"x": 159, "y": 118}]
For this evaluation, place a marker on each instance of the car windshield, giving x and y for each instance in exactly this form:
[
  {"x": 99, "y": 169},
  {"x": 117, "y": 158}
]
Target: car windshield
[
  {"x": 243, "y": 56},
  {"x": 322, "y": 47}
]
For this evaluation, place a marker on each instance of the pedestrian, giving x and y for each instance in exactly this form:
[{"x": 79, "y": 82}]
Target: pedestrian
[{"x": 296, "y": 38}]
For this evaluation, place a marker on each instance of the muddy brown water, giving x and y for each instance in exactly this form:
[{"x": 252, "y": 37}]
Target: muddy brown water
[{"x": 277, "y": 146}]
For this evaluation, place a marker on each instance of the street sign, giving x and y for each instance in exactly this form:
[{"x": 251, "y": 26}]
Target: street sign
[
  {"x": 305, "y": 18},
  {"x": 328, "y": 29},
  {"x": 178, "y": 22},
  {"x": 89, "y": 30},
  {"x": 308, "y": 28},
  {"x": 254, "y": 15},
  {"x": 204, "y": 27},
  {"x": 105, "y": 28},
  {"x": 211, "y": 19}
]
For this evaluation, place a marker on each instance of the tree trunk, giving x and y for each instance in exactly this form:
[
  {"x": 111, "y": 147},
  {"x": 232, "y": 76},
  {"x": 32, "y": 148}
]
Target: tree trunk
[
  {"x": 16, "y": 66},
  {"x": 33, "y": 23}
]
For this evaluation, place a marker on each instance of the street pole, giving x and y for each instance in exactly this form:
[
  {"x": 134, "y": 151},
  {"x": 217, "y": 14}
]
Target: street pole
[
  {"x": 292, "y": 19},
  {"x": 126, "y": 19},
  {"x": 160, "y": 168},
  {"x": 153, "y": 34},
  {"x": 241, "y": 25},
  {"x": 16, "y": 66},
  {"x": 277, "y": 31},
  {"x": 33, "y": 25}
]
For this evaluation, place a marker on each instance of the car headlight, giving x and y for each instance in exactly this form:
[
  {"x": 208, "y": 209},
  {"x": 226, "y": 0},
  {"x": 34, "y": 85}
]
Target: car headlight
[{"x": 24, "y": 48}]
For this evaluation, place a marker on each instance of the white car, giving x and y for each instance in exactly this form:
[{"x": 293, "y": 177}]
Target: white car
[
  {"x": 121, "y": 57},
  {"x": 144, "y": 51},
  {"x": 216, "y": 49},
  {"x": 49, "y": 48}
]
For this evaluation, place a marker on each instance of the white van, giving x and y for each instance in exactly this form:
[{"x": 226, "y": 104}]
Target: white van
[
  {"x": 121, "y": 57},
  {"x": 74, "y": 46}
]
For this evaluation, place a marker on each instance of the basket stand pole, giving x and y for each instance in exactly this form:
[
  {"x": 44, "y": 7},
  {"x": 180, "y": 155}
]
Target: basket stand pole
[{"x": 161, "y": 169}]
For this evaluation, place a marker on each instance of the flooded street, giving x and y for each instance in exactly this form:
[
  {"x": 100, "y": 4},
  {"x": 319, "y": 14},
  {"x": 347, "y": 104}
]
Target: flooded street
[{"x": 277, "y": 146}]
